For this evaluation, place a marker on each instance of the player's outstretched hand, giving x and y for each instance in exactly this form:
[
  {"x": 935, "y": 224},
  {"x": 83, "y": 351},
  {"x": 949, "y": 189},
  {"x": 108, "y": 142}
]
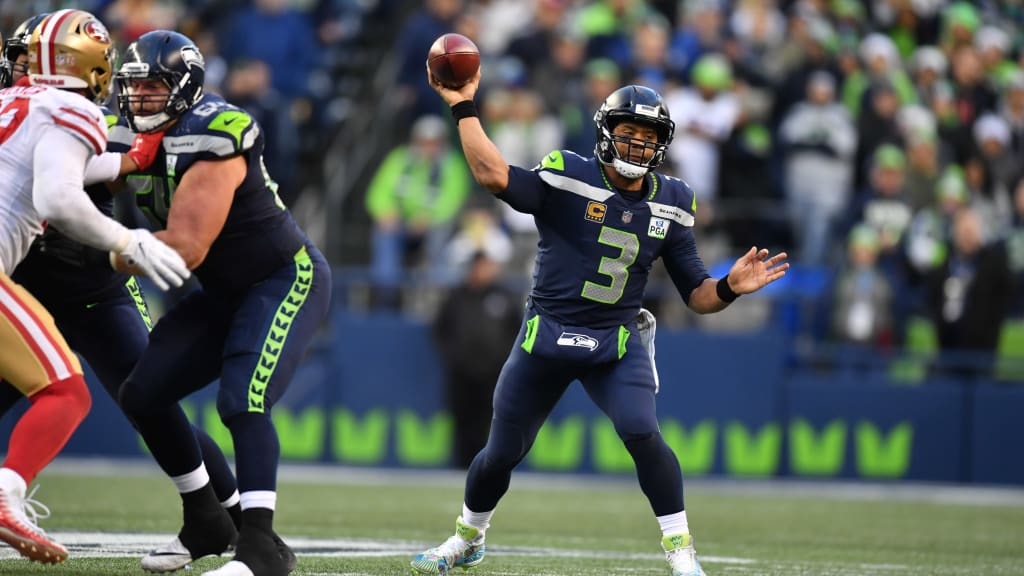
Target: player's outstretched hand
[
  {"x": 453, "y": 96},
  {"x": 155, "y": 259},
  {"x": 755, "y": 270},
  {"x": 145, "y": 148}
]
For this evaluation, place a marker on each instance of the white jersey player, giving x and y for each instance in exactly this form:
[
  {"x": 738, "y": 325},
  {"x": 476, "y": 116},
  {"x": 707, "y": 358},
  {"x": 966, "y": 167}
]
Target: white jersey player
[{"x": 49, "y": 132}]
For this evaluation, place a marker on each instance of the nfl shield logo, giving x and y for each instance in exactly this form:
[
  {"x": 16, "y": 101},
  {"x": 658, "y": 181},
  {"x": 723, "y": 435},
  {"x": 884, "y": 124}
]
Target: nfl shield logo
[{"x": 627, "y": 216}]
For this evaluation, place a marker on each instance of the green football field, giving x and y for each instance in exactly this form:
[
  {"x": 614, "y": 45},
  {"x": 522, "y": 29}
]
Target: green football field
[{"x": 365, "y": 522}]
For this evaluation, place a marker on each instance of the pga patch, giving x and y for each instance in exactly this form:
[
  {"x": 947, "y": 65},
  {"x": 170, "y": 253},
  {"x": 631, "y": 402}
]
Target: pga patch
[{"x": 658, "y": 228}]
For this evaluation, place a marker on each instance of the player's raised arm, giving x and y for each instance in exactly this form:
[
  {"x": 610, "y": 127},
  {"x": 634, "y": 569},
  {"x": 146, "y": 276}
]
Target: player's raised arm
[
  {"x": 751, "y": 272},
  {"x": 485, "y": 161}
]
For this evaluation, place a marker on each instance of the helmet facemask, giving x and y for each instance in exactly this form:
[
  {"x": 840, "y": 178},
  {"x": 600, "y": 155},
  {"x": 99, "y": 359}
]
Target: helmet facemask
[{"x": 639, "y": 155}]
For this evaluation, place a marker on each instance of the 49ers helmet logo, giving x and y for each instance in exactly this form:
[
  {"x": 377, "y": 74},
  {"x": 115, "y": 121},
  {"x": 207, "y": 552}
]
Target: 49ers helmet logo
[{"x": 96, "y": 31}]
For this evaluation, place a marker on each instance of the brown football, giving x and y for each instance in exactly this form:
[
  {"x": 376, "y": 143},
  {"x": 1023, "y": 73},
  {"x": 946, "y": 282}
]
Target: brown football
[{"x": 453, "y": 60}]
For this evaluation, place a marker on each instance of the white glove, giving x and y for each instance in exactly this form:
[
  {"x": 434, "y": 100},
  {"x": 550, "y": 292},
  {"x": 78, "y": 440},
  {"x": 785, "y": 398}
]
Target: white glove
[
  {"x": 158, "y": 261},
  {"x": 647, "y": 325}
]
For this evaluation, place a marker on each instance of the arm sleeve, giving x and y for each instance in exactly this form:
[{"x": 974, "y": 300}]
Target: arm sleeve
[
  {"x": 58, "y": 196},
  {"x": 684, "y": 264},
  {"x": 103, "y": 168}
]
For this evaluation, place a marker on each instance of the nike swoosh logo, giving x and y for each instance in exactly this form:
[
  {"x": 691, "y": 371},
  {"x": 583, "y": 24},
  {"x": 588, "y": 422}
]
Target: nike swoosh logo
[
  {"x": 552, "y": 157},
  {"x": 228, "y": 122}
]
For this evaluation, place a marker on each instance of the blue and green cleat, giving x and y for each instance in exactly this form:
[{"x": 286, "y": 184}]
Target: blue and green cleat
[{"x": 463, "y": 550}]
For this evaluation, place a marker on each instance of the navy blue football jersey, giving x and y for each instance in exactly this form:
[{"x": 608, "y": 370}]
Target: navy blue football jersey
[
  {"x": 259, "y": 235},
  {"x": 57, "y": 283},
  {"x": 597, "y": 246}
]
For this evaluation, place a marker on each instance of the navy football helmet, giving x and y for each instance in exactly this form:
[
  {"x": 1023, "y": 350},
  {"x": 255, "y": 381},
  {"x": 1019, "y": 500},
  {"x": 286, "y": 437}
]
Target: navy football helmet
[
  {"x": 636, "y": 104},
  {"x": 171, "y": 58},
  {"x": 17, "y": 45}
]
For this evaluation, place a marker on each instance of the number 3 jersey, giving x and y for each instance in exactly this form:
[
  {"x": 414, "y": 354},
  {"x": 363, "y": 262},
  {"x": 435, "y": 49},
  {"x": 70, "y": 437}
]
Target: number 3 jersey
[
  {"x": 26, "y": 113},
  {"x": 259, "y": 235},
  {"x": 596, "y": 245}
]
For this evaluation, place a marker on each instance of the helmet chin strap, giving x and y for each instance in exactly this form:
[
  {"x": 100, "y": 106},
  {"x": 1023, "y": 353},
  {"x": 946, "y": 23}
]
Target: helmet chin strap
[
  {"x": 151, "y": 122},
  {"x": 627, "y": 170}
]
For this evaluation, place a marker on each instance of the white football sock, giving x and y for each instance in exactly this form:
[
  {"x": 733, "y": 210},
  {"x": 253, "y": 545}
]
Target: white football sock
[
  {"x": 259, "y": 499},
  {"x": 193, "y": 480},
  {"x": 11, "y": 481},
  {"x": 479, "y": 520},
  {"x": 674, "y": 524}
]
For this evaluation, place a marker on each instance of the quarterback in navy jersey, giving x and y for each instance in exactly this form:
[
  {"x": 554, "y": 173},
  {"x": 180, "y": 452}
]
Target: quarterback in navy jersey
[
  {"x": 265, "y": 289},
  {"x": 603, "y": 221},
  {"x": 86, "y": 297}
]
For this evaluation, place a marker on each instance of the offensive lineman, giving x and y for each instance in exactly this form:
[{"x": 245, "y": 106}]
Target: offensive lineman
[
  {"x": 49, "y": 131},
  {"x": 603, "y": 221},
  {"x": 265, "y": 286}
]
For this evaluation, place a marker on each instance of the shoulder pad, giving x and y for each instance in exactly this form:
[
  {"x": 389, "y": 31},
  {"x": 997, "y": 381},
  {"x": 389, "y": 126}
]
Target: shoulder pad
[
  {"x": 554, "y": 161},
  {"x": 77, "y": 116},
  {"x": 675, "y": 201},
  {"x": 215, "y": 128}
]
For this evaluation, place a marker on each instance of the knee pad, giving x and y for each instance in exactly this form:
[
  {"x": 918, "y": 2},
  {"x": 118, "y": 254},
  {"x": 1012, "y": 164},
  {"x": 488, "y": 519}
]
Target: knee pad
[{"x": 72, "y": 393}]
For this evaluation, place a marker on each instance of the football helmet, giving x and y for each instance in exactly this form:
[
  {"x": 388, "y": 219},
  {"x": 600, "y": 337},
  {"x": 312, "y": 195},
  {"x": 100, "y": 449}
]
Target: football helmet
[
  {"x": 17, "y": 45},
  {"x": 171, "y": 58},
  {"x": 71, "y": 50},
  {"x": 636, "y": 104}
]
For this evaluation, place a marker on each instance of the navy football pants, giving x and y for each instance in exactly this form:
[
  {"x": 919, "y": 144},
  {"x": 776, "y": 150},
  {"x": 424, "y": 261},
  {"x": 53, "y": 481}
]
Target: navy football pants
[
  {"x": 252, "y": 341},
  {"x": 528, "y": 389}
]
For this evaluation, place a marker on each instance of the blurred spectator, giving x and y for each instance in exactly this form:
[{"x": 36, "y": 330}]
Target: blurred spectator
[
  {"x": 535, "y": 44},
  {"x": 473, "y": 332},
  {"x": 969, "y": 297},
  {"x": 413, "y": 198},
  {"x": 560, "y": 80},
  {"x": 705, "y": 115},
  {"x": 931, "y": 230},
  {"x": 992, "y": 138},
  {"x": 813, "y": 53},
  {"x": 928, "y": 66},
  {"x": 884, "y": 204},
  {"x": 415, "y": 37},
  {"x": 699, "y": 29},
  {"x": 924, "y": 167},
  {"x": 993, "y": 45},
  {"x": 862, "y": 299},
  {"x": 971, "y": 95},
  {"x": 877, "y": 125},
  {"x": 277, "y": 67},
  {"x": 129, "y": 19},
  {"x": 647, "y": 60},
  {"x": 1011, "y": 108},
  {"x": 882, "y": 67},
  {"x": 601, "y": 78},
  {"x": 819, "y": 142},
  {"x": 479, "y": 231},
  {"x": 960, "y": 20},
  {"x": 608, "y": 24}
]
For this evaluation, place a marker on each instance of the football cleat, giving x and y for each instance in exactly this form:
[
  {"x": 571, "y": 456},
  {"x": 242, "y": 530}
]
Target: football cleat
[
  {"x": 213, "y": 535},
  {"x": 681, "y": 556},
  {"x": 22, "y": 533},
  {"x": 463, "y": 550},
  {"x": 258, "y": 553}
]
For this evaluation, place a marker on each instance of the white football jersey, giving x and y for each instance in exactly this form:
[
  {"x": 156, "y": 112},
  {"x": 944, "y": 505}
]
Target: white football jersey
[{"x": 26, "y": 112}]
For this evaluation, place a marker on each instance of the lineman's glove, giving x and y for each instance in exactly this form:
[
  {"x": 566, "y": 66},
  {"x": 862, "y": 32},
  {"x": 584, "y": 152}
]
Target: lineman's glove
[
  {"x": 149, "y": 255},
  {"x": 647, "y": 325}
]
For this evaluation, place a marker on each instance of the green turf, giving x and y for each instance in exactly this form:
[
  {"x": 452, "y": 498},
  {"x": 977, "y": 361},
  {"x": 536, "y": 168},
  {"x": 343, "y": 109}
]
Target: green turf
[{"x": 737, "y": 533}]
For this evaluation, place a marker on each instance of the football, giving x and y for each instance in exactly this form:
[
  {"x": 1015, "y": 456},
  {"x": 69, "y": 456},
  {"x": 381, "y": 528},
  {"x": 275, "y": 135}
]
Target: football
[{"x": 453, "y": 60}]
